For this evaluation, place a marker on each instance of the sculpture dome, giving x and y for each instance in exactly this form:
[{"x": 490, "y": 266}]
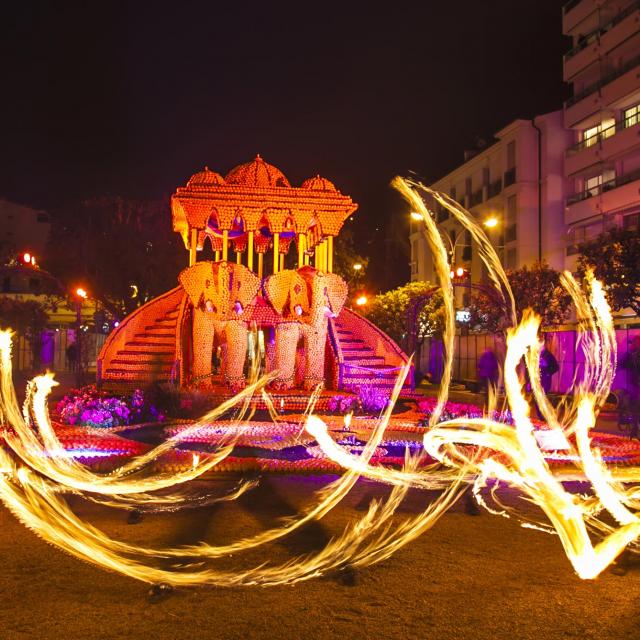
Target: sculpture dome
[
  {"x": 318, "y": 183},
  {"x": 205, "y": 178},
  {"x": 257, "y": 173}
]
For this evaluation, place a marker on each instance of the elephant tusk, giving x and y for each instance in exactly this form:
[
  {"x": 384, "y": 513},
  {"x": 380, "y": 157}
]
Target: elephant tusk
[
  {"x": 298, "y": 310},
  {"x": 238, "y": 308},
  {"x": 208, "y": 305},
  {"x": 329, "y": 313}
]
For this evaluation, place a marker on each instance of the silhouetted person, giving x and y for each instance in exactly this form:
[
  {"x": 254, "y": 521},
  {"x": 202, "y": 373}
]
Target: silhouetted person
[
  {"x": 72, "y": 356},
  {"x": 488, "y": 372}
]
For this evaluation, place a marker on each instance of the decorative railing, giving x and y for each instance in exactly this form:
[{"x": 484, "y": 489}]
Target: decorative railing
[
  {"x": 494, "y": 188},
  {"x": 509, "y": 176},
  {"x": 605, "y": 186},
  {"x": 614, "y": 75}
]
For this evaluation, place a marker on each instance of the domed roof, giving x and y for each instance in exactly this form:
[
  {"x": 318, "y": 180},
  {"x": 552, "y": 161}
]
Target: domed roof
[
  {"x": 257, "y": 173},
  {"x": 205, "y": 178},
  {"x": 318, "y": 183}
]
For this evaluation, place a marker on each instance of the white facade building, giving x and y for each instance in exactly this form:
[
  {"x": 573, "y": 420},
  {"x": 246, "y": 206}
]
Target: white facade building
[
  {"x": 518, "y": 183},
  {"x": 603, "y": 162}
]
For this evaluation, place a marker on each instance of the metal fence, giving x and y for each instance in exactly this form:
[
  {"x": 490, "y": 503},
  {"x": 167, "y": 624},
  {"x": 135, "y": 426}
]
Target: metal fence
[{"x": 563, "y": 344}]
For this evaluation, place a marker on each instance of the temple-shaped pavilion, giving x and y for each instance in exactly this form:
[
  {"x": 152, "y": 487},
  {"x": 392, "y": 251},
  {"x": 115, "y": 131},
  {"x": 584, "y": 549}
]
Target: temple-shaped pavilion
[
  {"x": 254, "y": 211},
  {"x": 251, "y": 218}
]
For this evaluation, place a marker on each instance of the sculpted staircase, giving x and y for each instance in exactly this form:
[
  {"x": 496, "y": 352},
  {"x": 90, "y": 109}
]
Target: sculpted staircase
[
  {"x": 143, "y": 349},
  {"x": 364, "y": 354}
]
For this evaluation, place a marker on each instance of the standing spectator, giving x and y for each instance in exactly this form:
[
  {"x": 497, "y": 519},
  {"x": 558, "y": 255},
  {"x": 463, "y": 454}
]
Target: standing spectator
[
  {"x": 488, "y": 372},
  {"x": 72, "y": 356},
  {"x": 548, "y": 368}
]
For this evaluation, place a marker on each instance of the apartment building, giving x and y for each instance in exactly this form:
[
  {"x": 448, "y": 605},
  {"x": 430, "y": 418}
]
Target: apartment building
[
  {"x": 516, "y": 189},
  {"x": 602, "y": 163}
]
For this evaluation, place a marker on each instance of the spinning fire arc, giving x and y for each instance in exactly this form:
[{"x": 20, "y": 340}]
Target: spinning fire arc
[{"x": 36, "y": 472}]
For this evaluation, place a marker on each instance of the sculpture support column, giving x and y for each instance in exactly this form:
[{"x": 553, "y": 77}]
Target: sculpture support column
[
  {"x": 260, "y": 265},
  {"x": 250, "y": 250},
  {"x": 225, "y": 244},
  {"x": 301, "y": 239},
  {"x": 330, "y": 254},
  {"x": 193, "y": 246},
  {"x": 217, "y": 255},
  {"x": 276, "y": 252},
  {"x": 238, "y": 257}
]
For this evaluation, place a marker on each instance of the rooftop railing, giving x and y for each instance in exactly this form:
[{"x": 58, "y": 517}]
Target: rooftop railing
[
  {"x": 569, "y": 6},
  {"x": 586, "y": 40}
]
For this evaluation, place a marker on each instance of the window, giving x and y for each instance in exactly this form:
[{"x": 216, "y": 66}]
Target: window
[
  {"x": 603, "y": 130},
  {"x": 452, "y": 193},
  {"x": 631, "y": 222},
  {"x": 414, "y": 257},
  {"x": 511, "y": 155},
  {"x": 467, "y": 187},
  {"x": 511, "y": 229},
  {"x": 632, "y": 116},
  {"x": 594, "y": 185}
]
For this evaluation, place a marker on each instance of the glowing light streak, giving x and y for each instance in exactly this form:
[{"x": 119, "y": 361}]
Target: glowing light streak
[{"x": 479, "y": 450}]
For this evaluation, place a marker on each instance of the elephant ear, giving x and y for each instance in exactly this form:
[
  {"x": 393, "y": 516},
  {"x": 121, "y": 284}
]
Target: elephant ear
[
  {"x": 336, "y": 291},
  {"x": 198, "y": 282},
  {"x": 285, "y": 290},
  {"x": 243, "y": 284}
]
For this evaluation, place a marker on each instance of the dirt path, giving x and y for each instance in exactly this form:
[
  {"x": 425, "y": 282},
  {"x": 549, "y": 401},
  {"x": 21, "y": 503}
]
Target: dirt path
[{"x": 470, "y": 577}]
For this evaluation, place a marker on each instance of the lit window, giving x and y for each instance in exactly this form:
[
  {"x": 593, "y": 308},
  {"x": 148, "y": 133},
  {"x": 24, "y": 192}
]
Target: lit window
[
  {"x": 632, "y": 116},
  {"x": 603, "y": 130}
]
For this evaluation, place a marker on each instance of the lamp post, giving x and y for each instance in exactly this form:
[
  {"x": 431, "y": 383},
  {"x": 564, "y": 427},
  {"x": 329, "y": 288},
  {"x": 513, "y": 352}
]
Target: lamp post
[{"x": 80, "y": 297}]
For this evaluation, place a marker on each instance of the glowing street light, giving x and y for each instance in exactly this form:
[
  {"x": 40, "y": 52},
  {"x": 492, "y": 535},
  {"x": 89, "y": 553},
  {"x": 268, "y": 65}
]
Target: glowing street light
[
  {"x": 416, "y": 216},
  {"x": 81, "y": 293},
  {"x": 361, "y": 301},
  {"x": 459, "y": 272},
  {"x": 491, "y": 222},
  {"x": 357, "y": 267}
]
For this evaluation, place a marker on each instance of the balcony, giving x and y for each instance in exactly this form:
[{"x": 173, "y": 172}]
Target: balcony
[
  {"x": 606, "y": 145},
  {"x": 601, "y": 41},
  {"x": 441, "y": 214},
  {"x": 610, "y": 88},
  {"x": 575, "y": 11},
  {"x": 475, "y": 198},
  {"x": 609, "y": 196},
  {"x": 494, "y": 188},
  {"x": 509, "y": 177}
]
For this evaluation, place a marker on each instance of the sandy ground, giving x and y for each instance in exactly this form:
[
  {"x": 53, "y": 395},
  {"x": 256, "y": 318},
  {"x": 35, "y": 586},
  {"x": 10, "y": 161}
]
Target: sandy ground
[{"x": 469, "y": 577}]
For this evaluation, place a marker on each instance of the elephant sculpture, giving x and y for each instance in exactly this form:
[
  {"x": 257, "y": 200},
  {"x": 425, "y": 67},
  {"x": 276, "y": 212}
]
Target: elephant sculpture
[
  {"x": 222, "y": 294},
  {"x": 305, "y": 299}
]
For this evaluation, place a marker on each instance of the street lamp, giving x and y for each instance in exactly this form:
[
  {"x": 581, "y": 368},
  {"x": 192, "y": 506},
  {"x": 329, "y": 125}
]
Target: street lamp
[
  {"x": 357, "y": 267},
  {"x": 491, "y": 222},
  {"x": 361, "y": 300},
  {"x": 80, "y": 296}
]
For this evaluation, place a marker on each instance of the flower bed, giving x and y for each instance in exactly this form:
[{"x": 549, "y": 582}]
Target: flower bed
[{"x": 91, "y": 407}]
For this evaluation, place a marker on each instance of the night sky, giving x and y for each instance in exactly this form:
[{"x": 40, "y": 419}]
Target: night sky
[{"x": 132, "y": 98}]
